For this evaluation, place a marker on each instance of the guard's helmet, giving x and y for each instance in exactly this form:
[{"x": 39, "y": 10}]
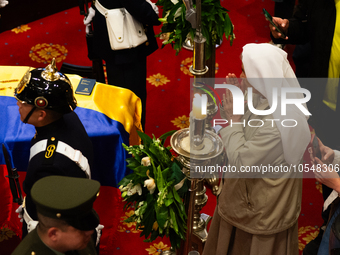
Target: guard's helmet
[{"x": 46, "y": 88}]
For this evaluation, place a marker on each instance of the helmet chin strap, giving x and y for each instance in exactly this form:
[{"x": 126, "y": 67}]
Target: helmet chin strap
[{"x": 29, "y": 114}]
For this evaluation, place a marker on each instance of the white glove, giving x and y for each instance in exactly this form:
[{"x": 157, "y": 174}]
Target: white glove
[
  {"x": 32, "y": 225},
  {"x": 88, "y": 19},
  {"x": 20, "y": 210},
  {"x": 154, "y": 6},
  {"x": 3, "y": 3},
  {"x": 99, "y": 233}
]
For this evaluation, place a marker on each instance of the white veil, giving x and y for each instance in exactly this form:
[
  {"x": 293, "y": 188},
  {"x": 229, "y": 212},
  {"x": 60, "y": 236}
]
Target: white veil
[{"x": 262, "y": 63}]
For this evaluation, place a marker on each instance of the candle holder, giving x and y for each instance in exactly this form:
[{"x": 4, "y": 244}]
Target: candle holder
[
  {"x": 189, "y": 45},
  {"x": 212, "y": 110},
  {"x": 196, "y": 149},
  {"x": 197, "y": 130},
  {"x": 198, "y": 66}
]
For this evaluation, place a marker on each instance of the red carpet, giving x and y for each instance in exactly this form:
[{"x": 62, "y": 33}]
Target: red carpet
[{"x": 62, "y": 36}]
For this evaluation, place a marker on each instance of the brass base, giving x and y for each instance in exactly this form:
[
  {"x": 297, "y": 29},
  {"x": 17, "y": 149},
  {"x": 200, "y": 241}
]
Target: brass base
[
  {"x": 168, "y": 252},
  {"x": 189, "y": 44},
  {"x": 200, "y": 236}
]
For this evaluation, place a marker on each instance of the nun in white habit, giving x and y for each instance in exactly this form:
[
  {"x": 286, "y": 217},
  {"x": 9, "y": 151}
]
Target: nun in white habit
[{"x": 257, "y": 213}]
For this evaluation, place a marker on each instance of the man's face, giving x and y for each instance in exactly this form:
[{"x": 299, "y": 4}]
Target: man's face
[
  {"x": 24, "y": 109},
  {"x": 75, "y": 239}
]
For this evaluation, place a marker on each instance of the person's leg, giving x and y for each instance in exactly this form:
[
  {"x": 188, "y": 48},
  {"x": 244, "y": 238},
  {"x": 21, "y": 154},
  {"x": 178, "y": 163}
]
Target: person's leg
[{"x": 130, "y": 76}]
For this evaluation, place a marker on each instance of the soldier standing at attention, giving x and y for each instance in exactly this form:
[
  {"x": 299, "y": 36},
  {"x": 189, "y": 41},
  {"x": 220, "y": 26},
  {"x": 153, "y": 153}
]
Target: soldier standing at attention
[
  {"x": 61, "y": 145},
  {"x": 66, "y": 217}
]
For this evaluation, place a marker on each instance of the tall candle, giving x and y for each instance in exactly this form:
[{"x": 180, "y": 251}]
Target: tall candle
[{"x": 199, "y": 106}]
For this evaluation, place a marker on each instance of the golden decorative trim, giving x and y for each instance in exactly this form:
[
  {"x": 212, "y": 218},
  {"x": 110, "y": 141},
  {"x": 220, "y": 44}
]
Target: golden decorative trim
[
  {"x": 51, "y": 72},
  {"x": 8, "y": 81},
  {"x": 24, "y": 80}
]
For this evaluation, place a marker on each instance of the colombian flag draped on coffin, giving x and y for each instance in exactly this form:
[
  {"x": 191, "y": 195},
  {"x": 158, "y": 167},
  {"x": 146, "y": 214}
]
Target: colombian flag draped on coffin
[{"x": 110, "y": 115}]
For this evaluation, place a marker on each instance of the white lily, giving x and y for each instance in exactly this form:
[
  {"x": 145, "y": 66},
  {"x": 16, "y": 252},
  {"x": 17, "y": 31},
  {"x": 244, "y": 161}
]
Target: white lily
[
  {"x": 165, "y": 37},
  {"x": 178, "y": 13},
  {"x": 150, "y": 183},
  {"x": 125, "y": 188},
  {"x": 146, "y": 161},
  {"x": 136, "y": 189}
]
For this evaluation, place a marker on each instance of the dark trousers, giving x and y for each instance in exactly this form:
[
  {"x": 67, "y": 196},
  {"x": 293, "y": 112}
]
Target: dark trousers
[{"x": 130, "y": 76}]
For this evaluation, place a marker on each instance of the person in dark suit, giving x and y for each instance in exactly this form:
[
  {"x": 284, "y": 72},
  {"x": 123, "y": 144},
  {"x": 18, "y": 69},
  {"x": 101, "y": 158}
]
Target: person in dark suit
[
  {"x": 315, "y": 24},
  {"x": 61, "y": 145},
  {"x": 66, "y": 217},
  {"x": 126, "y": 68}
]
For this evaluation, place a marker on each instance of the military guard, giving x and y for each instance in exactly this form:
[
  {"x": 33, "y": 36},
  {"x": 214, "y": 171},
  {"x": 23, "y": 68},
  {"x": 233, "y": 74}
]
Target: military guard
[
  {"x": 61, "y": 145},
  {"x": 66, "y": 217}
]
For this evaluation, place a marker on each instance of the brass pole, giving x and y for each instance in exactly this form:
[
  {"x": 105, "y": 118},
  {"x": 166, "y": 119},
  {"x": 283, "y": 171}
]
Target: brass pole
[{"x": 190, "y": 219}]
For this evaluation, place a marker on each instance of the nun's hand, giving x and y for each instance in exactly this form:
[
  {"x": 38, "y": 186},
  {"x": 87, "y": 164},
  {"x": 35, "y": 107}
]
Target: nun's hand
[
  {"x": 228, "y": 107},
  {"x": 228, "y": 98},
  {"x": 326, "y": 175},
  {"x": 233, "y": 80}
]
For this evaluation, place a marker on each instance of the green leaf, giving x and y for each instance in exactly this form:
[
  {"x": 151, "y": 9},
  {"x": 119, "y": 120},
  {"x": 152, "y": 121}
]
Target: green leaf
[
  {"x": 132, "y": 163},
  {"x": 170, "y": 199},
  {"x": 154, "y": 149},
  {"x": 148, "y": 223},
  {"x": 173, "y": 11},
  {"x": 145, "y": 138},
  {"x": 148, "y": 216},
  {"x": 154, "y": 235},
  {"x": 160, "y": 180},
  {"x": 162, "y": 215},
  {"x": 181, "y": 211},
  {"x": 177, "y": 174},
  {"x": 168, "y": 202},
  {"x": 155, "y": 173},
  {"x": 174, "y": 220},
  {"x": 176, "y": 196},
  {"x": 126, "y": 180},
  {"x": 130, "y": 219},
  {"x": 166, "y": 173},
  {"x": 141, "y": 170},
  {"x": 182, "y": 191},
  {"x": 227, "y": 25},
  {"x": 175, "y": 240}
]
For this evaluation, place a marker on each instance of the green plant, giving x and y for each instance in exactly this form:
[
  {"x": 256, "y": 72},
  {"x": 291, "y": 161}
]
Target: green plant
[
  {"x": 155, "y": 190},
  {"x": 175, "y": 29}
]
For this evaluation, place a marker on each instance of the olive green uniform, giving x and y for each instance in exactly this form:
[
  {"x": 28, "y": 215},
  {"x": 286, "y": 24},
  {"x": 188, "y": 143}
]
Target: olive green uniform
[{"x": 32, "y": 245}]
